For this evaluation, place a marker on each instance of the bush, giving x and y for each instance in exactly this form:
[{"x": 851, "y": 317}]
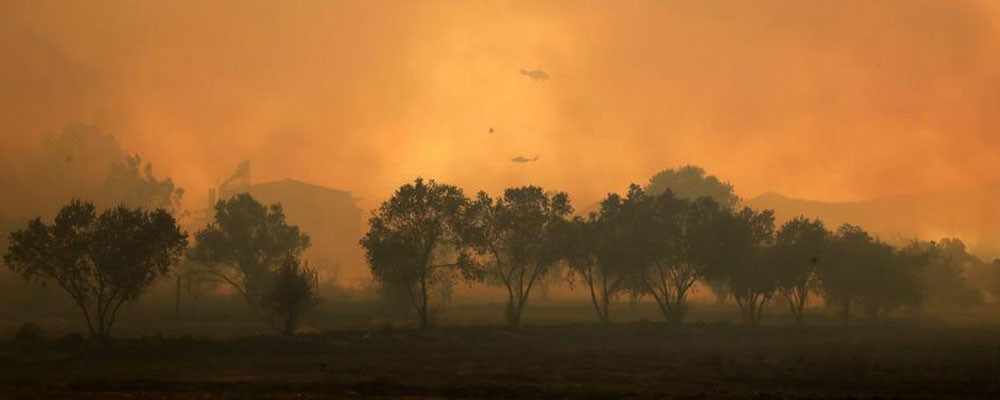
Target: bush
[
  {"x": 292, "y": 295},
  {"x": 30, "y": 333}
]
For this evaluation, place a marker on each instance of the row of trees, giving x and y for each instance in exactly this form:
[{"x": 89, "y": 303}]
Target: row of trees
[
  {"x": 683, "y": 229},
  {"x": 108, "y": 259},
  {"x": 642, "y": 243}
]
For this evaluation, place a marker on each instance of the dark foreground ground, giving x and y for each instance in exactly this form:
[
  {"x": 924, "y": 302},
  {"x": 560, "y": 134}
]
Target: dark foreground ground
[{"x": 635, "y": 360}]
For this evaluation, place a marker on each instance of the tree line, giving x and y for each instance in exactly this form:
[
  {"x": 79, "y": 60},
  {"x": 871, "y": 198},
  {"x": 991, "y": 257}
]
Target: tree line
[
  {"x": 658, "y": 241},
  {"x": 104, "y": 260}
]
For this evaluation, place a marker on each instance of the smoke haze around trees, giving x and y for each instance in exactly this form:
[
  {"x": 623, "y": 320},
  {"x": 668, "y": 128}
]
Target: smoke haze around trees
[{"x": 685, "y": 231}]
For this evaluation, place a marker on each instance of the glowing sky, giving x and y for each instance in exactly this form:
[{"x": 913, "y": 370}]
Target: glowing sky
[{"x": 831, "y": 100}]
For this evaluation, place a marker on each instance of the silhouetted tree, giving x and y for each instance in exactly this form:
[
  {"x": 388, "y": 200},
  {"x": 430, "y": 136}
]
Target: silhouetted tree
[
  {"x": 516, "y": 233},
  {"x": 946, "y": 274},
  {"x": 619, "y": 249},
  {"x": 863, "y": 272},
  {"x": 690, "y": 182},
  {"x": 800, "y": 246},
  {"x": 293, "y": 293},
  {"x": 246, "y": 244},
  {"x": 895, "y": 282},
  {"x": 576, "y": 241},
  {"x": 678, "y": 244},
  {"x": 84, "y": 161},
  {"x": 409, "y": 236},
  {"x": 101, "y": 261},
  {"x": 744, "y": 258},
  {"x": 851, "y": 253},
  {"x": 131, "y": 182}
]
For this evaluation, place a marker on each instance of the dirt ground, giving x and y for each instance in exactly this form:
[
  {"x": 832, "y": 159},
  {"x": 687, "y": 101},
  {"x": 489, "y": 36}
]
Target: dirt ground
[{"x": 578, "y": 361}]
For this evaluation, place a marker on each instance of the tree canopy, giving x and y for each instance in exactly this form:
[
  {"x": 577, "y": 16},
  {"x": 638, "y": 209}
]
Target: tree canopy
[
  {"x": 692, "y": 182},
  {"x": 516, "y": 234},
  {"x": 246, "y": 243},
  {"x": 946, "y": 276},
  {"x": 292, "y": 294},
  {"x": 673, "y": 234},
  {"x": 101, "y": 261},
  {"x": 740, "y": 252},
  {"x": 131, "y": 182},
  {"x": 415, "y": 239},
  {"x": 862, "y": 272},
  {"x": 800, "y": 246}
]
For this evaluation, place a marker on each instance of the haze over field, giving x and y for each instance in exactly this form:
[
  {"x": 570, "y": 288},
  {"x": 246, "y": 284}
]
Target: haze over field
[
  {"x": 572, "y": 199},
  {"x": 823, "y": 100}
]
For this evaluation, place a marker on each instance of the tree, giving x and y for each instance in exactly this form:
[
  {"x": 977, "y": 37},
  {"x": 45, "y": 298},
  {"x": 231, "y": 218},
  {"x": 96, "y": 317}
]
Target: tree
[
  {"x": 576, "y": 242},
  {"x": 800, "y": 246},
  {"x": 744, "y": 258},
  {"x": 896, "y": 280},
  {"x": 863, "y": 272},
  {"x": 84, "y": 161},
  {"x": 654, "y": 244},
  {"x": 411, "y": 234},
  {"x": 679, "y": 247},
  {"x": 516, "y": 233},
  {"x": 246, "y": 244},
  {"x": 293, "y": 293},
  {"x": 610, "y": 250},
  {"x": 102, "y": 261},
  {"x": 690, "y": 182},
  {"x": 851, "y": 253},
  {"x": 131, "y": 182},
  {"x": 946, "y": 276}
]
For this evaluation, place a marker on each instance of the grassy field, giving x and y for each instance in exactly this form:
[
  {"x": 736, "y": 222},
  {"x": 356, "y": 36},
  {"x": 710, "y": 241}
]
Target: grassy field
[{"x": 908, "y": 359}]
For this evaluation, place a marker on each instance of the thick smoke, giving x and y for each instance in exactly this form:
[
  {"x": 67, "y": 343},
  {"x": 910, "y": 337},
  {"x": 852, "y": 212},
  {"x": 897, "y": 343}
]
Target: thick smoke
[{"x": 823, "y": 99}]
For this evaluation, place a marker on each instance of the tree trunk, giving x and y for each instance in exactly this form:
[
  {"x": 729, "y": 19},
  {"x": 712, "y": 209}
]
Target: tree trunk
[
  {"x": 679, "y": 308},
  {"x": 515, "y": 307},
  {"x": 797, "y": 304},
  {"x": 677, "y": 311},
  {"x": 86, "y": 317},
  {"x": 764, "y": 298},
  {"x": 672, "y": 307},
  {"x": 424, "y": 322},
  {"x": 289, "y": 329},
  {"x": 602, "y": 313},
  {"x": 746, "y": 305},
  {"x": 605, "y": 312},
  {"x": 511, "y": 313}
]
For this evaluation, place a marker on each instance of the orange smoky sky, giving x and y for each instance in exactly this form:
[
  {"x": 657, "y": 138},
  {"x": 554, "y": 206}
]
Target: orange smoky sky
[{"x": 830, "y": 100}]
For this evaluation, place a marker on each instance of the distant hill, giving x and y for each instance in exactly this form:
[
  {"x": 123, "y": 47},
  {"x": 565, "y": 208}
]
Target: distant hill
[{"x": 970, "y": 214}]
